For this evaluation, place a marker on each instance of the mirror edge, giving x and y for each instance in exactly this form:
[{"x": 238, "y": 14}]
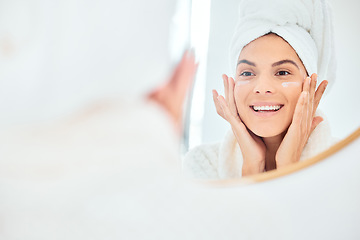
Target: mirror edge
[{"x": 261, "y": 177}]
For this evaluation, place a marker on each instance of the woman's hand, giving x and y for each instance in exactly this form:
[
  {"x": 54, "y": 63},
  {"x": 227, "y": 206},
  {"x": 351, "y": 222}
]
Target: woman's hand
[
  {"x": 171, "y": 96},
  {"x": 303, "y": 123},
  {"x": 252, "y": 147}
]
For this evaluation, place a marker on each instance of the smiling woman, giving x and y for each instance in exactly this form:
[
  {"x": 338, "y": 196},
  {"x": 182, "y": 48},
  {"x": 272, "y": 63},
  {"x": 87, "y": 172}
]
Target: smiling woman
[
  {"x": 265, "y": 105},
  {"x": 271, "y": 105}
]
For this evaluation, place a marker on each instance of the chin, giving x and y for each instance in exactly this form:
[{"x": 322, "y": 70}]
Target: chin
[{"x": 267, "y": 132}]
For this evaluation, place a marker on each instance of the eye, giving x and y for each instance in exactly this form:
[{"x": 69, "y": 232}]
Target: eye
[
  {"x": 246, "y": 74},
  {"x": 282, "y": 73}
]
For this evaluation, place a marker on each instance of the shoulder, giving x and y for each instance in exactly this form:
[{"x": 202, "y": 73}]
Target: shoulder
[{"x": 201, "y": 162}]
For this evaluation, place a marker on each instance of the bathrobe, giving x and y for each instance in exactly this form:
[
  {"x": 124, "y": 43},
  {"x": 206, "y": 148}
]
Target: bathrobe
[
  {"x": 111, "y": 172},
  {"x": 224, "y": 160},
  {"x": 99, "y": 174}
]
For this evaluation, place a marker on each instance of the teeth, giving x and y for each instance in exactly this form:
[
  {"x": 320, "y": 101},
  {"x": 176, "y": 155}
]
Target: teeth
[{"x": 266, "y": 108}]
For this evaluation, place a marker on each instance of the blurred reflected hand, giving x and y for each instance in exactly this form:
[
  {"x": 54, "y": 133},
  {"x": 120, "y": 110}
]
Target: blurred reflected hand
[{"x": 171, "y": 96}]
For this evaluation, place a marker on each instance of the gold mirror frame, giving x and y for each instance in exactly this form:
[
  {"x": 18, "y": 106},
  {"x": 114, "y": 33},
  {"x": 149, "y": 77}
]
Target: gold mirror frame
[{"x": 288, "y": 169}]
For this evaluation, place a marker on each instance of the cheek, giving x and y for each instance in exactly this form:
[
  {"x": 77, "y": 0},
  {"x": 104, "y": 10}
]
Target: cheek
[
  {"x": 291, "y": 84},
  {"x": 240, "y": 94},
  {"x": 293, "y": 97}
]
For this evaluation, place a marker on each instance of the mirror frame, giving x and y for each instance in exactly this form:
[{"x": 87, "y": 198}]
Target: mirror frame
[{"x": 270, "y": 175}]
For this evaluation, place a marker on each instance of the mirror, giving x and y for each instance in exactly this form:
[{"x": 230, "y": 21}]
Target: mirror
[
  {"x": 205, "y": 126},
  {"x": 336, "y": 152}
]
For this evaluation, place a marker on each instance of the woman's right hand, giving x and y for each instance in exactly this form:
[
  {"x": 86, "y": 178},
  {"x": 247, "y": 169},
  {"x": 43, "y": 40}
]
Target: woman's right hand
[
  {"x": 252, "y": 147},
  {"x": 172, "y": 94}
]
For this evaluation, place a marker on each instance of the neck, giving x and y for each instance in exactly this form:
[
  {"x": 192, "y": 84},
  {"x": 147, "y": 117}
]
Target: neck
[{"x": 272, "y": 145}]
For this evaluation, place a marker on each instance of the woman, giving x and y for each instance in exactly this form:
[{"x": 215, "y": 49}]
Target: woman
[{"x": 278, "y": 48}]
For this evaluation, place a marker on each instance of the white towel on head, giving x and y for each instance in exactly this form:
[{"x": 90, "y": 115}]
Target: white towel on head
[{"x": 305, "y": 24}]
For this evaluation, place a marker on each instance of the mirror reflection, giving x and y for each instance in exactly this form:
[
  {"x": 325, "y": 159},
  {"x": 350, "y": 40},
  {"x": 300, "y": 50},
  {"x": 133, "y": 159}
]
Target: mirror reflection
[{"x": 268, "y": 110}]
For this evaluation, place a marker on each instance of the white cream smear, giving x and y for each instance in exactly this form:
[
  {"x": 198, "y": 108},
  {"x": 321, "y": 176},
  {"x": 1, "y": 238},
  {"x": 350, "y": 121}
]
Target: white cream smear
[
  {"x": 239, "y": 83},
  {"x": 290, "y": 84}
]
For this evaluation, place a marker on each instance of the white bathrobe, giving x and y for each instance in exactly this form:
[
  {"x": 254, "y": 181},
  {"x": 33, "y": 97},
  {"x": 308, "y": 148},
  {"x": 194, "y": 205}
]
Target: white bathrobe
[
  {"x": 101, "y": 174},
  {"x": 224, "y": 160},
  {"x": 111, "y": 173}
]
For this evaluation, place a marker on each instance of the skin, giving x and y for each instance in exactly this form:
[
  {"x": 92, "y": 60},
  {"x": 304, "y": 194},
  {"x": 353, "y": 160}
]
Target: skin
[
  {"x": 270, "y": 141},
  {"x": 171, "y": 95}
]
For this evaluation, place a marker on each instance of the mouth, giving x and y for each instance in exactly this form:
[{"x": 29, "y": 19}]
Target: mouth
[{"x": 266, "y": 108}]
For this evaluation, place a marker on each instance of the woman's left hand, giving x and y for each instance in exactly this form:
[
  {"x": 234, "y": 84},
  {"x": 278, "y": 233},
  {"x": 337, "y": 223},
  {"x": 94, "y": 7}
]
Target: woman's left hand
[{"x": 303, "y": 123}]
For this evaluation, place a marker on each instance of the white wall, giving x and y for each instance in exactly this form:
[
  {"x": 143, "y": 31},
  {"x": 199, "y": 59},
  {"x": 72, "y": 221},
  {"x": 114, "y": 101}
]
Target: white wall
[{"x": 339, "y": 104}]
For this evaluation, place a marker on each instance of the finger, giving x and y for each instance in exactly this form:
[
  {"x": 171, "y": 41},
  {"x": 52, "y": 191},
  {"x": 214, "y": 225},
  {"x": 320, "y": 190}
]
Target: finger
[
  {"x": 306, "y": 85},
  {"x": 226, "y": 86},
  {"x": 171, "y": 95},
  {"x": 179, "y": 82},
  {"x": 315, "y": 122},
  {"x": 299, "y": 109},
  {"x": 185, "y": 74},
  {"x": 217, "y": 104},
  {"x": 308, "y": 107},
  {"x": 227, "y": 113},
  {"x": 313, "y": 85},
  {"x": 319, "y": 93},
  {"x": 231, "y": 101},
  {"x": 307, "y": 113},
  {"x": 305, "y": 116},
  {"x": 312, "y": 92}
]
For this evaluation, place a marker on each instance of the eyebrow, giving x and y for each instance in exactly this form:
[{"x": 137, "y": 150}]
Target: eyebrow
[
  {"x": 247, "y": 62},
  {"x": 285, "y": 61},
  {"x": 273, "y": 65}
]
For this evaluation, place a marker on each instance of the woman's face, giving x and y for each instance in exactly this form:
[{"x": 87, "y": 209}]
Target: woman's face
[{"x": 268, "y": 82}]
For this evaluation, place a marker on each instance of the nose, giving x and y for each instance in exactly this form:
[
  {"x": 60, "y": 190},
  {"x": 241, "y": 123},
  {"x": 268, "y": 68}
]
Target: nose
[{"x": 264, "y": 85}]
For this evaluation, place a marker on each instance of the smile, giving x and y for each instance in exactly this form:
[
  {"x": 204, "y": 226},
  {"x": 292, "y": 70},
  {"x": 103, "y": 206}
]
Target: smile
[{"x": 270, "y": 108}]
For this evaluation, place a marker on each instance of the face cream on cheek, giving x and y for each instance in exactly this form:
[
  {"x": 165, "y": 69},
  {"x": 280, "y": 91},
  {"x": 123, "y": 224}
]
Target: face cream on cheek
[
  {"x": 290, "y": 84},
  {"x": 241, "y": 83}
]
